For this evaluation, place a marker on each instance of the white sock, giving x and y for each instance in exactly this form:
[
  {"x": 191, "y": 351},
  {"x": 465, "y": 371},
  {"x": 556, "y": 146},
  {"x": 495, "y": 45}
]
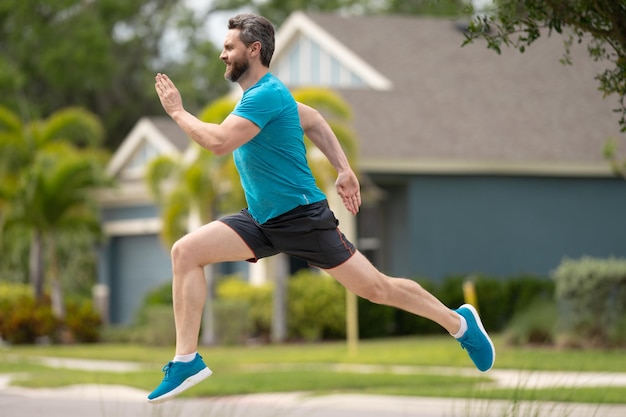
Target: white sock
[
  {"x": 184, "y": 358},
  {"x": 463, "y": 328}
]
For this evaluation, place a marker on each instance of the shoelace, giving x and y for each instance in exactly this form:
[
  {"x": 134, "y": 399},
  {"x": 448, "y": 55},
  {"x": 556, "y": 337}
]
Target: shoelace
[
  {"x": 469, "y": 345},
  {"x": 166, "y": 369}
]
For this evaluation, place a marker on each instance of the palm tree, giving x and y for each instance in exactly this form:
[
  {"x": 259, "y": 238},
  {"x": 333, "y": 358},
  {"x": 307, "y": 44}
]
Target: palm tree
[
  {"x": 194, "y": 189},
  {"x": 50, "y": 167}
]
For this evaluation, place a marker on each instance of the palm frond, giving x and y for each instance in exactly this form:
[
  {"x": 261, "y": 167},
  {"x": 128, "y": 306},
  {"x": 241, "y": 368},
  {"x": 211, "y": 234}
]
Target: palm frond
[
  {"x": 159, "y": 171},
  {"x": 175, "y": 212},
  {"x": 217, "y": 110},
  {"x": 75, "y": 125},
  {"x": 9, "y": 121},
  {"x": 325, "y": 101}
]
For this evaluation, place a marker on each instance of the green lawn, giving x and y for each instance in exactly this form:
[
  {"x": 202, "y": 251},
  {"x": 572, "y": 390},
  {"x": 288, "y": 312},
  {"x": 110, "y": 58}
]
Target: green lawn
[{"x": 312, "y": 367}]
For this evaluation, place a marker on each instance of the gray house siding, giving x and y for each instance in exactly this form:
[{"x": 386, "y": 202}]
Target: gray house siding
[
  {"x": 133, "y": 264},
  {"x": 134, "y": 269},
  {"x": 137, "y": 271},
  {"x": 130, "y": 212},
  {"x": 441, "y": 225}
]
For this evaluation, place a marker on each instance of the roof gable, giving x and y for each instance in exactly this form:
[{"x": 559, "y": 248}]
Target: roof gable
[
  {"x": 307, "y": 54},
  {"x": 149, "y": 138}
]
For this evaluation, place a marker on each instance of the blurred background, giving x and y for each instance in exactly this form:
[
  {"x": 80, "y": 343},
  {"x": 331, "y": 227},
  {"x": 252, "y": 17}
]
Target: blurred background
[{"x": 486, "y": 138}]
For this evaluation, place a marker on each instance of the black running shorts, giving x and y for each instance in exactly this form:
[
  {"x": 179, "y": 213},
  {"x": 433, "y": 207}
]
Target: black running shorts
[{"x": 307, "y": 232}]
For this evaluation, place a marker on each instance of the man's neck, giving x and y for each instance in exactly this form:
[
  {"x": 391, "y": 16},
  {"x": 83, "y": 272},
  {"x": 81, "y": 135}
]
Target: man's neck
[{"x": 252, "y": 77}]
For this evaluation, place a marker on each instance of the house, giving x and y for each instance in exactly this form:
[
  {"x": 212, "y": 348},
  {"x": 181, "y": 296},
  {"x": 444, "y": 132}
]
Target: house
[
  {"x": 471, "y": 161},
  {"x": 486, "y": 163}
]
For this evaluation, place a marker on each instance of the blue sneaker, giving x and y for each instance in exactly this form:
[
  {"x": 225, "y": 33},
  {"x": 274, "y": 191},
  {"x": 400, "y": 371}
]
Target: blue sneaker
[
  {"x": 179, "y": 376},
  {"x": 476, "y": 341}
]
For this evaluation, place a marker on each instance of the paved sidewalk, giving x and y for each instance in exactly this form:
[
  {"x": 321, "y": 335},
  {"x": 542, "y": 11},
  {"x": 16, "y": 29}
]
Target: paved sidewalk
[{"x": 101, "y": 401}]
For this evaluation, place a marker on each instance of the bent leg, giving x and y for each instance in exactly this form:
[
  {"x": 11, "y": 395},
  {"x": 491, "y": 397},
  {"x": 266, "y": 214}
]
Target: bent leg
[
  {"x": 211, "y": 243},
  {"x": 361, "y": 277}
]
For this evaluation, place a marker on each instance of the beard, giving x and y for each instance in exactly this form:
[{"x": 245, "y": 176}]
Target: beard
[{"x": 237, "y": 69}]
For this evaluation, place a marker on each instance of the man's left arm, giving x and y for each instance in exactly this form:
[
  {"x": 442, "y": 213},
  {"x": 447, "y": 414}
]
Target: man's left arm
[{"x": 320, "y": 133}]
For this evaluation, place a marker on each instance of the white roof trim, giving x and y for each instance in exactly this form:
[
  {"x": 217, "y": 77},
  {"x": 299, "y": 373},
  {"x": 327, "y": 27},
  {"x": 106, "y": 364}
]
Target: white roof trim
[
  {"x": 143, "y": 130},
  {"x": 299, "y": 22},
  {"x": 133, "y": 227},
  {"x": 434, "y": 167},
  {"x": 131, "y": 193}
]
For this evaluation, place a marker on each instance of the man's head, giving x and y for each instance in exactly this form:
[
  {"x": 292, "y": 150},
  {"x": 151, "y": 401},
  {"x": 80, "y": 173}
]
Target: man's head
[
  {"x": 253, "y": 28},
  {"x": 249, "y": 37}
]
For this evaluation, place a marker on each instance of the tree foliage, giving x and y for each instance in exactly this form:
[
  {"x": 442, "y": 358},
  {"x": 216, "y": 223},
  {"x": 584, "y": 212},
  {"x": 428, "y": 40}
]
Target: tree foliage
[
  {"x": 600, "y": 24},
  {"x": 278, "y": 10},
  {"x": 101, "y": 55},
  {"x": 48, "y": 169}
]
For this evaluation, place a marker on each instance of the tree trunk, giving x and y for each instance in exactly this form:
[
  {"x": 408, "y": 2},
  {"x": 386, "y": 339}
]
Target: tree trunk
[
  {"x": 35, "y": 265},
  {"x": 58, "y": 304},
  {"x": 280, "y": 270}
]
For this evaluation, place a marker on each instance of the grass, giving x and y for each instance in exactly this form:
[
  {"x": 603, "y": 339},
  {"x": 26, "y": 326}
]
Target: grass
[{"x": 309, "y": 367}]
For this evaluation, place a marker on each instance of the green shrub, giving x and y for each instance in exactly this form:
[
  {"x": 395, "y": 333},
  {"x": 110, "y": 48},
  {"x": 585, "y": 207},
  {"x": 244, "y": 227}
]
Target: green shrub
[
  {"x": 523, "y": 291},
  {"x": 153, "y": 324},
  {"x": 10, "y": 292},
  {"x": 156, "y": 326},
  {"x": 233, "y": 323},
  {"x": 494, "y": 306},
  {"x": 535, "y": 325},
  {"x": 161, "y": 295},
  {"x": 316, "y": 307},
  {"x": 256, "y": 300},
  {"x": 591, "y": 295},
  {"x": 83, "y": 321},
  {"x": 24, "y": 321},
  {"x": 375, "y": 320}
]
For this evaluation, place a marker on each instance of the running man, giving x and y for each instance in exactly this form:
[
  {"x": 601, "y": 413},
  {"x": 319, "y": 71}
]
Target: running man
[{"x": 286, "y": 211}]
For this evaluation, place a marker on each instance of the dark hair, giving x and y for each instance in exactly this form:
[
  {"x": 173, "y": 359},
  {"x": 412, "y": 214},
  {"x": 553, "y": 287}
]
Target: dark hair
[{"x": 255, "y": 28}]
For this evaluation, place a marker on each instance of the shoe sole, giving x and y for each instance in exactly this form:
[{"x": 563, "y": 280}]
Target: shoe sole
[
  {"x": 482, "y": 329},
  {"x": 185, "y": 385}
]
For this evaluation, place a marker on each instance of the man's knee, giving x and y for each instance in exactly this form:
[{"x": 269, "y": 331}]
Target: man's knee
[{"x": 181, "y": 255}]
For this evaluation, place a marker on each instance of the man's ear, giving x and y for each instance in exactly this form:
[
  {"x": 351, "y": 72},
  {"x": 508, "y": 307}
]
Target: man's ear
[{"x": 255, "y": 48}]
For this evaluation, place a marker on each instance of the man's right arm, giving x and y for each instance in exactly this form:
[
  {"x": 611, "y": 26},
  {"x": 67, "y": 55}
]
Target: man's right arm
[{"x": 221, "y": 138}]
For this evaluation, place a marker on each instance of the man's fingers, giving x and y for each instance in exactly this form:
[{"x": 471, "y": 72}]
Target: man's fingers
[{"x": 352, "y": 203}]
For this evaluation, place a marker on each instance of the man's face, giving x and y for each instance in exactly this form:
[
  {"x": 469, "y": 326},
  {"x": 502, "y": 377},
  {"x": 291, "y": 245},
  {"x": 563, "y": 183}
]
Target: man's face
[{"x": 235, "y": 56}]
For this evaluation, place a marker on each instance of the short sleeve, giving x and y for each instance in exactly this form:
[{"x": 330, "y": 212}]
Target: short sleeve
[{"x": 259, "y": 105}]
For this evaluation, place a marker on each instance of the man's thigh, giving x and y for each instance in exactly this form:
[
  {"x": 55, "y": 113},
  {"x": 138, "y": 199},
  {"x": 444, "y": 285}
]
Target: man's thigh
[
  {"x": 214, "y": 242},
  {"x": 357, "y": 274}
]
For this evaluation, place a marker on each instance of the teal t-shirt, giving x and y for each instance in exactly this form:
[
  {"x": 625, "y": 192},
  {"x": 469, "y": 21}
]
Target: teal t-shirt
[{"x": 273, "y": 168}]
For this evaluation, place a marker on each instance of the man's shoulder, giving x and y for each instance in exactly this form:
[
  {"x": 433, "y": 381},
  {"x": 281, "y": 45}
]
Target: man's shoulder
[{"x": 269, "y": 90}]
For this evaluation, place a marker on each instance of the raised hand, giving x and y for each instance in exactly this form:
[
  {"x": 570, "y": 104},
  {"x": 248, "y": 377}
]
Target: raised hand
[{"x": 169, "y": 95}]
